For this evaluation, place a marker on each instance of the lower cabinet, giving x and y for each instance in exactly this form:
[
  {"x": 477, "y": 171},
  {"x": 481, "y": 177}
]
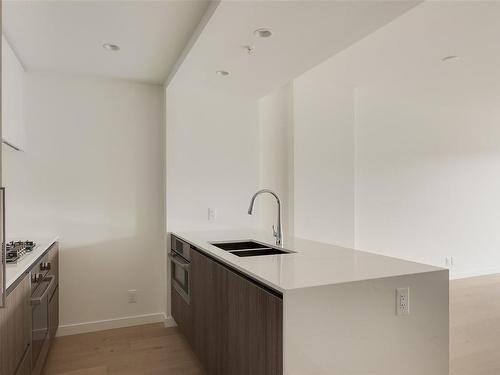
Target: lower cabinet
[
  {"x": 233, "y": 324},
  {"x": 254, "y": 329},
  {"x": 54, "y": 313},
  {"x": 54, "y": 298},
  {"x": 210, "y": 310},
  {"x": 24, "y": 367},
  {"x": 15, "y": 328},
  {"x": 45, "y": 313},
  {"x": 27, "y": 328},
  {"x": 181, "y": 311}
]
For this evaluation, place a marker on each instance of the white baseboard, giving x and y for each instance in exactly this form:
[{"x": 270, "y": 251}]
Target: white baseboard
[
  {"x": 169, "y": 322},
  {"x": 100, "y": 325}
]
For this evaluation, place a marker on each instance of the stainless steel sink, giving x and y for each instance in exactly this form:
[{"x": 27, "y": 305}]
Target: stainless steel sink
[
  {"x": 239, "y": 245},
  {"x": 249, "y": 248}
]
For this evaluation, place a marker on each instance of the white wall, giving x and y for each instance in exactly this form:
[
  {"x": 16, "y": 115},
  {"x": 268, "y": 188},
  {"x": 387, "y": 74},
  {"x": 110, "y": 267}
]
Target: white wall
[
  {"x": 276, "y": 157},
  {"x": 92, "y": 174},
  {"x": 212, "y": 159},
  {"x": 427, "y": 141},
  {"x": 428, "y": 176},
  {"x": 355, "y": 330},
  {"x": 323, "y": 117}
]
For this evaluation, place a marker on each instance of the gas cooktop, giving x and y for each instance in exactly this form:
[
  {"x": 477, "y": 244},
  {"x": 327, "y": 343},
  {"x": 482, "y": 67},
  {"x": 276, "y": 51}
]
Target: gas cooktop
[{"x": 16, "y": 249}]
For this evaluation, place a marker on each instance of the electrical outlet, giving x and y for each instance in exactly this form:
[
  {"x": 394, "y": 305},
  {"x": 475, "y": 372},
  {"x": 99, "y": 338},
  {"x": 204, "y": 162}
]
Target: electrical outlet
[
  {"x": 403, "y": 301},
  {"x": 212, "y": 213},
  {"x": 132, "y": 296},
  {"x": 449, "y": 261}
]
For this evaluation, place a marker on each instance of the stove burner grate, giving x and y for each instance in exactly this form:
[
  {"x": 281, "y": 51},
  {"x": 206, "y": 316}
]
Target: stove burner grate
[{"x": 16, "y": 249}]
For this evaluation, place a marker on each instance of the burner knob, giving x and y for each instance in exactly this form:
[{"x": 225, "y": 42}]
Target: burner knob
[
  {"x": 45, "y": 266},
  {"x": 36, "y": 277}
]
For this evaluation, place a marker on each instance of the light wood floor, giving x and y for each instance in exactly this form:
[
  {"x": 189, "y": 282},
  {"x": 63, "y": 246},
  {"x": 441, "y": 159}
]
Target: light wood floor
[
  {"x": 475, "y": 326},
  {"x": 147, "y": 349},
  {"x": 153, "y": 349}
]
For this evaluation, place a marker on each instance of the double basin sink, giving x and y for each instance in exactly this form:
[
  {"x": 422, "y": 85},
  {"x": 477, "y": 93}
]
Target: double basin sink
[{"x": 249, "y": 248}]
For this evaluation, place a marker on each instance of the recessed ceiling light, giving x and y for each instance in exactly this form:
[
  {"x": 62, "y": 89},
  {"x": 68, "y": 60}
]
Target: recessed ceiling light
[
  {"x": 263, "y": 33},
  {"x": 222, "y": 73},
  {"x": 110, "y": 47},
  {"x": 450, "y": 58}
]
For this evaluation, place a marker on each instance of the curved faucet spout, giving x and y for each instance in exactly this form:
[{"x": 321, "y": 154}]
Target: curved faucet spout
[{"x": 278, "y": 233}]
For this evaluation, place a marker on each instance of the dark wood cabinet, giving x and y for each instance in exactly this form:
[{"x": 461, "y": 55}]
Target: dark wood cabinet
[
  {"x": 181, "y": 312},
  {"x": 54, "y": 298},
  {"x": 54, "y": 313},
  {"x": 253, "y": 328},
  {"x": 24, "y": 367},
  {"x": 46, "y": 314},
  {"x": 235, "y": 324},
  {"x": 17, "y": 323},
  {"x": 209, "y": 306},
  {"x": 15, "y": 327}
]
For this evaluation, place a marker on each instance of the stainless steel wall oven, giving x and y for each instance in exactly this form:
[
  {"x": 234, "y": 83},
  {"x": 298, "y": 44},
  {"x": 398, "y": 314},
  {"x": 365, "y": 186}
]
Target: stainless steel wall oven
[{"x": 180, "y": 267}]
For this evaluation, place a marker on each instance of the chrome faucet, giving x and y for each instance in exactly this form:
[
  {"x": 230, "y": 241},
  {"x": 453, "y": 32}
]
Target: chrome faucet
[{"x": 278, "y": 234}]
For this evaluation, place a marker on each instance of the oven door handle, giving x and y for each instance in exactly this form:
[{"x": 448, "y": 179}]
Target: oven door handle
[
  {"x": 38, "y": 300},
  {"x": 186, "y": 266}
]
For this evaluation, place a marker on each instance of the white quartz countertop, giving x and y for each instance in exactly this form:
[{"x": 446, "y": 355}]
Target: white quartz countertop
[
  {"x": 14, "y": 270},
  {"x": 312, "y": 264}
]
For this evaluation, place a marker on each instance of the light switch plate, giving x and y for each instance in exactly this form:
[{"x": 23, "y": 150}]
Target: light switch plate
[
  {"x": 212, "y": 213},
  {"x": 403, "y": 301}
]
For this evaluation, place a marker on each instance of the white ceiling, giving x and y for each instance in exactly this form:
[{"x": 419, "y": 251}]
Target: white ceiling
[
  {"x": 409, "y": 51},
  {"x": 67, "y": 36},
  {"x": 304, "y": 34}
]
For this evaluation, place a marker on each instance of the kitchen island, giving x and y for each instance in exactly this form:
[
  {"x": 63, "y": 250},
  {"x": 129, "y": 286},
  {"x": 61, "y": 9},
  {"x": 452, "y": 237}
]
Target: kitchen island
[{"x": 339, "y": 312}]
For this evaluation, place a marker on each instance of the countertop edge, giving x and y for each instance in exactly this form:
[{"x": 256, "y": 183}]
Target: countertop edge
[{"x": 282, "y": 290}]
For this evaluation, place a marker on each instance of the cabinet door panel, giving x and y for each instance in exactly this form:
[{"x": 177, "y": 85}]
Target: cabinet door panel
[
  {"x": 254, "y": 328},
  {"x": 237, "y": 324},
  {"x": 274, "y": 335},
  {"x": 181, "y": 313},
  {"x": 207, "y": 303},
  {"x": 54, "y": 313},
  {"x": 15, "y": 327},
  {"x": 25, "y": 366}
]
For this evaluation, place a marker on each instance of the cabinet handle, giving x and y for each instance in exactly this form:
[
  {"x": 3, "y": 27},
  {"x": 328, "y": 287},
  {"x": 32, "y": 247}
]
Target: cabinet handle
[
  {"x": 38, "y": 300},
  {"x": 184, "y": 266}
]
